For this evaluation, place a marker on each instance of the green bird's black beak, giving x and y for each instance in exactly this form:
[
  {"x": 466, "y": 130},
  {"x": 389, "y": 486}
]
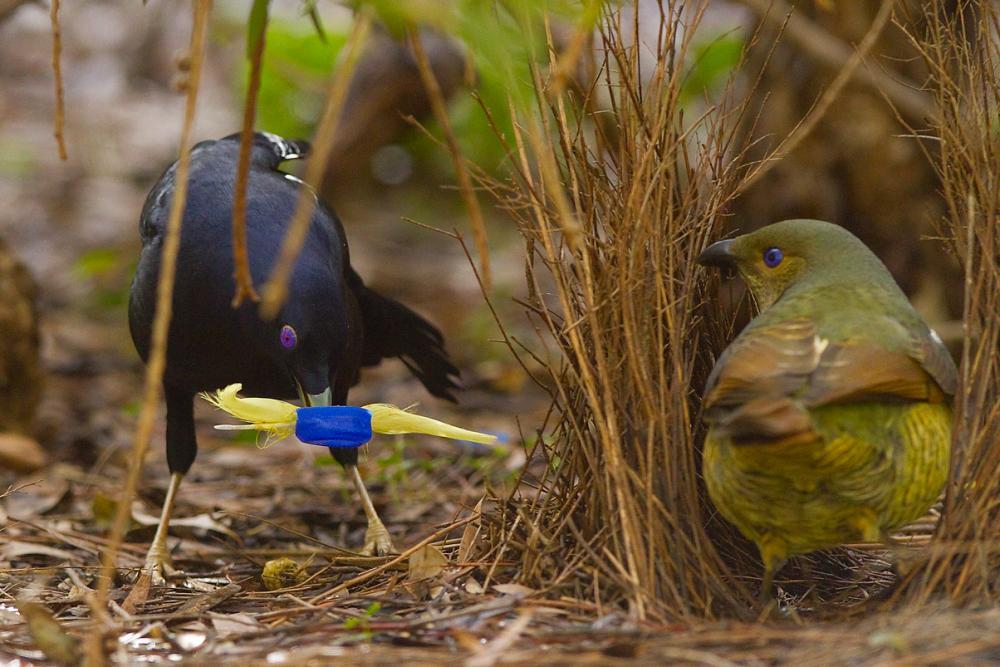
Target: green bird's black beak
[{"x": 721, "y": 253}]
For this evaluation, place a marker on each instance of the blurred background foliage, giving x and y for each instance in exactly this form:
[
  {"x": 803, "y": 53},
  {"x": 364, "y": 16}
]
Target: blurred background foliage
[
  {"x": 493, "y": 45},
  {"x": 480, "y": 51}
]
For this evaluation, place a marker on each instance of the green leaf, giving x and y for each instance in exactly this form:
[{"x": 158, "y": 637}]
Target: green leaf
[
  {"x": 324, "y": 461},
  {"x": 317, "y": 22},
  {"x": 397, "y": 16},
  {"x": 256, "y": 25},
  {"x": 293, "y": 77},
  {"x": 715, "y": 59},
  {"x": 97, "y": 262},
  {"x": 103, "y": 508}
]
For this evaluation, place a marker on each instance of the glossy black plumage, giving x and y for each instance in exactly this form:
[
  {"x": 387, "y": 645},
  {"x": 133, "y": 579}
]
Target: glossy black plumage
[{"x": 341, "y": 325}]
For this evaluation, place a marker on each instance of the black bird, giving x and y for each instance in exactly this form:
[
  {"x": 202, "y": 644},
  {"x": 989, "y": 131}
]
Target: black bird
[{"x": 330, "y": 326}]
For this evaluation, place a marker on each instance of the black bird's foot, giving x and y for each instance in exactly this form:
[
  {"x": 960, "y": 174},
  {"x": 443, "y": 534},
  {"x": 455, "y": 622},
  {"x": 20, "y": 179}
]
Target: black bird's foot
[
  {"x": 377, "y": 540},
  {"x": 158, "y": 563}
]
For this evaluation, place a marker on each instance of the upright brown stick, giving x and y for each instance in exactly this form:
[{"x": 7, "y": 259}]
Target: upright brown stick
[
  {"x": 844, "y": 76},
  {"x": 161, "y": 324},
  {"x": 276, "y": 289},
  {"x": 60, "y": 116},
  {"x": 436, "y": 98},
  {"x": 241, "y": 260},
  {"x": 832, "y": 52}
]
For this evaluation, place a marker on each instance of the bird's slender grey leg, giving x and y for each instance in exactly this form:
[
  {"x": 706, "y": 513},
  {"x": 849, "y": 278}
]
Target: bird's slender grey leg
[
  {"x": 377, "y": 540},
  {"x": 158, "y": 556}
]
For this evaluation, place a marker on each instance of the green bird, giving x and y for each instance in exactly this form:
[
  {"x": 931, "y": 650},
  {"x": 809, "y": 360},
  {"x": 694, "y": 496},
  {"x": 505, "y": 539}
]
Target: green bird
[{"x": 830, "y": 414}]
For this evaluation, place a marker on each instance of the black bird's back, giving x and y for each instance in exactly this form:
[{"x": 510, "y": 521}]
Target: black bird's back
[{"x": 211, "y": 344}]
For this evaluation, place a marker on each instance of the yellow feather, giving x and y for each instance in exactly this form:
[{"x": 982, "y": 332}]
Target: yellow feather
[
  {"x": 391, "y": 420},
  {"x": 276, "y": 418}
]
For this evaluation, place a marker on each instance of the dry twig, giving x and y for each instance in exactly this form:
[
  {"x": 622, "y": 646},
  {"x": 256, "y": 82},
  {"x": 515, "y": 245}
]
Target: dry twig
[
  {"x": 161, "y": 323},
  {"x": 830, "y": 95},
  {"x": 962, "y": 48},
  {"x": 241, "y": 260},
  {"x": 440, "y": 110},
  {"x": 60, "y": 116},
  {"x": 275, "y": 291}
]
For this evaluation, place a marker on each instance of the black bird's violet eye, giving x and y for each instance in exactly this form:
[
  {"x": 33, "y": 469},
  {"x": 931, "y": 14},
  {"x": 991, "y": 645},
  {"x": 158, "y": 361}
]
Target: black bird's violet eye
[
  {"x": 773, "y": 257},
  {"x": 289, "y": 339}
]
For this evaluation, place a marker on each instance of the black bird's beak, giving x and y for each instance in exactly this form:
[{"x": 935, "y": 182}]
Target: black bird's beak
[
  {"x": 721, "y": 253},
  {"x": 322, "y": 399}
]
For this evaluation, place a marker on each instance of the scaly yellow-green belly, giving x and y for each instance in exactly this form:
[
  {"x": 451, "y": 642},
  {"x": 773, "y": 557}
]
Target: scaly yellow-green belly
[{"x": 875, "y": 468}]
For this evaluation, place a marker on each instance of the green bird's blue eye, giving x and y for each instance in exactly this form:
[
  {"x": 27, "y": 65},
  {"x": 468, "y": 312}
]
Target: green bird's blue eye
[{"x": 773, "y": 257}]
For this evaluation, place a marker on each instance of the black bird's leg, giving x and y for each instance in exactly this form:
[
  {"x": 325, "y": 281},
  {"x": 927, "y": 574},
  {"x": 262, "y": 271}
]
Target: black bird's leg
[
  {"x": 377, "y": 539},
  {"x": 158, "y": 557},
  {"x": 182, "y": 447}
]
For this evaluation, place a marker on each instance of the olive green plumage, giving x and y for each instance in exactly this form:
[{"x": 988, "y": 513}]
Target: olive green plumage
[{"x": 829, "y": 415}]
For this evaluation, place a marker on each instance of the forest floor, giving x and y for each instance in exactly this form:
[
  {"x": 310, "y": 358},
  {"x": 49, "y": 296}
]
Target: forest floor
[{"x": 74, "y": 224}]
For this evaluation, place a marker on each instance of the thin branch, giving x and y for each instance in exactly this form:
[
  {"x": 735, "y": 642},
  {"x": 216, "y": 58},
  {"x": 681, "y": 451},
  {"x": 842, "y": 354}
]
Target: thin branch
[
  {"x": 241, "y": 259},
  {"x": 276, "y": 290},
  {"x": 436, "y": 98},
  {"x": 60, "y": 115},
  {"x": 830, "y": 95},
  {"x": 161, "y": 322},
  {"x": 835, "y": 54}
]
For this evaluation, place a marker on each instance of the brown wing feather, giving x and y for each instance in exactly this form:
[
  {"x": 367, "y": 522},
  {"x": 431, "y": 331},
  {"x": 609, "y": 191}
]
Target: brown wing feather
[
  {"x": 851, "y": 372},
  {"x": 764, "y": 384},
  {"x": 934, "y": 357},
  {"x": 775, "y": 360}
]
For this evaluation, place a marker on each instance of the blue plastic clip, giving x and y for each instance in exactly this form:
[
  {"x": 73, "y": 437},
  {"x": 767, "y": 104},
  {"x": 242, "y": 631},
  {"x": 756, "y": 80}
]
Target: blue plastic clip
[{"x": 334, "y": 426}]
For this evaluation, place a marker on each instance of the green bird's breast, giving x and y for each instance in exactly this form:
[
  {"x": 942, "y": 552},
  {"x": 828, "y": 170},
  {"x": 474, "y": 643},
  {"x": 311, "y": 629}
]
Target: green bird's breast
[{"x": 874, "y": 467}]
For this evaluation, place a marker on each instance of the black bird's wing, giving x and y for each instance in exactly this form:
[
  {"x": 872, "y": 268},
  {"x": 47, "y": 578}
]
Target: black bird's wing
[{"x": 393, "y": 330}]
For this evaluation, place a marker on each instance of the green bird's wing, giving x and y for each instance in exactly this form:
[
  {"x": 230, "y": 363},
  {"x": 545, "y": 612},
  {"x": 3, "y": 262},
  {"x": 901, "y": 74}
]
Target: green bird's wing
[{"x": 766, "y": 381}]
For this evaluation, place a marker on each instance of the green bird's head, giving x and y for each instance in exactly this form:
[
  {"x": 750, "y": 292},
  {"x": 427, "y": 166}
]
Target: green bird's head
[{"x": 797, "y": 254}]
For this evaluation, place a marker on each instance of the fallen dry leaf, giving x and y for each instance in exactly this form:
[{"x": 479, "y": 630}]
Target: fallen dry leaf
[
  {"x": 234, "y": 624},
  {"x": 139, "y": 593},
  {"x": 21, "y": 453},
  {"x": 48, "y": 634},
  {"x": 426, "y": 562},
  {"x": 470, "y": 536},
  {"x": 37, "y": 497},
  {"x": 15, "y": 549},
  {"x": 199, "y": 521},
  {"x": 514, "y": 589}
]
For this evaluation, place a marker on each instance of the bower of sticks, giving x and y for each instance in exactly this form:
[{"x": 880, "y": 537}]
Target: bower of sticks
[{"x": 537, "y": 180}]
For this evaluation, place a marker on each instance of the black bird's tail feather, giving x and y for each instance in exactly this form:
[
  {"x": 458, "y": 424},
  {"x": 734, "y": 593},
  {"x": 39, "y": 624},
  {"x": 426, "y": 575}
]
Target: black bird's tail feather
[{"x": 393, "y": 330}]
